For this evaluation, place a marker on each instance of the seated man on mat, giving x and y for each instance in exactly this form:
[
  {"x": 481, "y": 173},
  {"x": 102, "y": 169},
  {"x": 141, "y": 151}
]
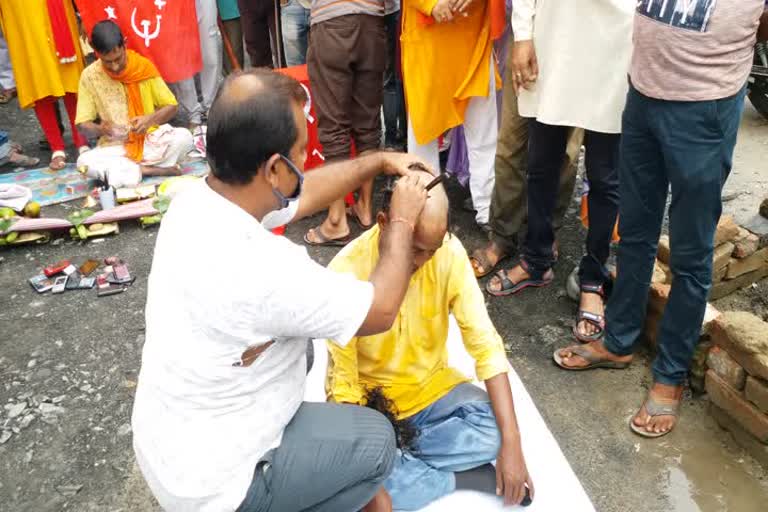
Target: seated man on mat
[
  {"x": 126, "y": 93},
  {"x": 461, "y": 428}
]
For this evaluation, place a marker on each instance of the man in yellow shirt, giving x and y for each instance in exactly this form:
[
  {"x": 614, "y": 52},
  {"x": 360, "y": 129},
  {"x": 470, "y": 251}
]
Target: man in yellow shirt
[
  {"x": 461, "y": 428},
  {"x": 125, "y": 92}
]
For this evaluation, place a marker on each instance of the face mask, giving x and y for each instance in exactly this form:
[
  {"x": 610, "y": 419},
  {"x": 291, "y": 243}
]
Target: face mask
[{"x": 286, "y": 201}]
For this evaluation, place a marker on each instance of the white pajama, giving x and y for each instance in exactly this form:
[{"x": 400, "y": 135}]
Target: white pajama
[
  {"x": 6, "y": 72},
  {"x": 211, "y": 51},
  {"x": 111, "y": 163},
  {"x": 481, "y": 133}
]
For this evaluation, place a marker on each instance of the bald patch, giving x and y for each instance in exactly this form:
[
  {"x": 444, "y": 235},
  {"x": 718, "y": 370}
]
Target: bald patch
[
  {"x": 434, "y": 217},
  {"x": 241, "y": 88}
]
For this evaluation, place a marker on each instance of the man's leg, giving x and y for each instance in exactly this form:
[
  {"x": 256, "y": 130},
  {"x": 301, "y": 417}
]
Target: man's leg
[
  {"x": 456, "y": 433},
  {"x": 568, "y": 176},
  {"x": 256, "y": 16},
  {"x": 186, "y": 94},
  {"x": 332, "y": 458},
  {"x": 109, "y": 163},
  {"x": 393, "y": 86},
  {"x": 428, "y": 152},
  {"x": 234, "y": 32},
  {"x": 7, "y": 81},
  {"x": 295, "y": 26},
  {"x": 182, "y": 142},
  {"x": 211, "y": 50},
  {"x": 481, "y": 132}
]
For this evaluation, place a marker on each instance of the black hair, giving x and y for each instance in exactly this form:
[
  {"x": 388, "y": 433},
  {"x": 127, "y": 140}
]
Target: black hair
[
  {"x": 106, "y": 36},
  {"x": 244, "y": 132},
  {"x": 406, "y": 432},
  {"x": 389, "y": 188}
]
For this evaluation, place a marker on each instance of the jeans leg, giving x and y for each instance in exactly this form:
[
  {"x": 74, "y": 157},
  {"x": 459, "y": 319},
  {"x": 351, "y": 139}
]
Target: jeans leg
[
  {"x": 643, "y": 191},
  {"x": 295, "y": 25},
  {"x": 698, "y": 141},
  {"x": 211, "y": 50},
  {"x": 602, "y": 158},
  {"x": 546, "y": 150}
]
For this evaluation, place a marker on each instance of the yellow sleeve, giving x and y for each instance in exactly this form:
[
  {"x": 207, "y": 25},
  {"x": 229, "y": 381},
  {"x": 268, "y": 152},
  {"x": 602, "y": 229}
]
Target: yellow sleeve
[
  {"x": 423, "y": 6},
  {"x": 86, "y": 106},
  {"x": 342, "y": 383},
  {"x": 161, "y": 93},
  {"x": 468, "y": 307}
]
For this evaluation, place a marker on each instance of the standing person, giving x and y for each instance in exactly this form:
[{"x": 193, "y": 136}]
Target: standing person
[
  {"x": 395, "y": 119},
  {"x": 259, "y": 30},
  {"x": 346, "y": 62},
  {"x": 557, "y": 100},
  {"x": 42, "y": 39},
  {"x": 218, "y": 420},
  {"x": 211, "y": 49},
  {"x": 230, "y": 18},
  {"x": 450, "y": 78},
  {"x": 7, "y": 82},
  {"x": 295, "y": 22},
  {"x": 688, "y": 76}
]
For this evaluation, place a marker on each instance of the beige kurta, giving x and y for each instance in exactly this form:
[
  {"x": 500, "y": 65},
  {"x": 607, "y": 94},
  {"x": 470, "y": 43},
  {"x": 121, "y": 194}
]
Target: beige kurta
[{"x": 583, "y": 49}]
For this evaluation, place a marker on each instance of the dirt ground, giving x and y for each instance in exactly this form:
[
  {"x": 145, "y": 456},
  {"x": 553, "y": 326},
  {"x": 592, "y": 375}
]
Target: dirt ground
[{"x": 73, "y": 359}]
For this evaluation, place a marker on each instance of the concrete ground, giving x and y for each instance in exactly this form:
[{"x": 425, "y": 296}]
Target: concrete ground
[{"x": 73, "y": 359}]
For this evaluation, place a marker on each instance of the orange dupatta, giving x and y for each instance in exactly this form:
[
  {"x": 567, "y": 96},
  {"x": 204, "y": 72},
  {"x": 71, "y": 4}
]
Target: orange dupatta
[{"x": 137, "y": 69}]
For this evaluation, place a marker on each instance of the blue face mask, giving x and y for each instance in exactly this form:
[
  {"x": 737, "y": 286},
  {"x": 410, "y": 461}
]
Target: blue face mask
[{"x": 286, "y": 201}]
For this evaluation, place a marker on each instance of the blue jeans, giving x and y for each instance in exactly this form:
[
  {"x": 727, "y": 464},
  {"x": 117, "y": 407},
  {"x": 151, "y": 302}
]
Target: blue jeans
[
  {"x": 456, "y": 433},
  {"x": 688, "y": 146},
  {"x": 294, "y": 20}
]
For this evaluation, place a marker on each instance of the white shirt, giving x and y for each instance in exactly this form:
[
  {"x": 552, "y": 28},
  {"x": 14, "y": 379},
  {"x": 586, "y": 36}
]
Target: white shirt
[
  {"x": 221, "y": 283},
  {"x": 583, "y": 48}
]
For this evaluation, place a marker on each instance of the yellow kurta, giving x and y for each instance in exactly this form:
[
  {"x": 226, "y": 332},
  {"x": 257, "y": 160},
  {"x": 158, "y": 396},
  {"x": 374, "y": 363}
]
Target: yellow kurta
[
  {"x": 410, "y": 361},
  {"x": 444, "y": 64},
  {"x": 36, "y": 67}
]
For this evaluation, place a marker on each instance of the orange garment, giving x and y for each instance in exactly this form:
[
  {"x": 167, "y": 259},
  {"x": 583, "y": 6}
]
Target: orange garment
[
  {"x": 137, "y": 69},
  {"x": 444, "y": 65}
]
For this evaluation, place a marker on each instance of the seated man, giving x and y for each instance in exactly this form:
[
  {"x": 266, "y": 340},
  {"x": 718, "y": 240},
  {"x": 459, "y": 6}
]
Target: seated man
[
  {"x": 125, "y": 91},
  {"x": 461, "y": 427}
]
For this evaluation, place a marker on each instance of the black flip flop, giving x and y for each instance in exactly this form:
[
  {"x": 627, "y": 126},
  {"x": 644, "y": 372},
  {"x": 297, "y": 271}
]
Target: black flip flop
[
  {"x": 325, "y": 241},
  {"x": 510, "y": 288}
]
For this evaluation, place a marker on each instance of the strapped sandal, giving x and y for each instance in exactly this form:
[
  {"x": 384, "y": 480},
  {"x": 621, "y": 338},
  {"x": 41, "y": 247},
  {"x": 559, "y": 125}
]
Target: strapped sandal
[
  {"x": 668, "y": 407},
  {"x": 324, "y": 241},
  {"x": 538, "y": 279},
  {"x": 589, "y": 317},
  {"x": 594, "y": 360},
  {"x": 479, "y": 258}
]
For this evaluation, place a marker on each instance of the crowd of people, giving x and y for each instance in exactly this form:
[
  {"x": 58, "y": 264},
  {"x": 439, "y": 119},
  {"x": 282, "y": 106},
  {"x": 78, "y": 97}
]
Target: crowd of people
[{"x": 651, "y": 90}]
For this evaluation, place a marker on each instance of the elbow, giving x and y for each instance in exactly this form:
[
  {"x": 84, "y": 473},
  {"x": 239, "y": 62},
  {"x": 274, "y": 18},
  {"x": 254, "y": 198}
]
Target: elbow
[{"x": 377, "y": 322}]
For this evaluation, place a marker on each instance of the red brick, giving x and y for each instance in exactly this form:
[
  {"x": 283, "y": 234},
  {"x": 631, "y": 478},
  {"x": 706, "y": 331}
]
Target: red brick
[
  {"x": 658, "y": 296},
  {"x": 757, "y": 261},
  {"x": 722, "y": 256},
  {"x": 745, "y": 337},
  {"x": 727, "y": 230},
  {"x": 723, "y": 288},
  {"x": 664, "y": 252},
  {"x": 659, "y": 274},
  {"x": 756, "y": 392},
  {"x": 743, "y": 438},
  {"x": 731, "y": 401},
  {"x": 746, "y": 245},
  {"x": 728, "y": 369}
]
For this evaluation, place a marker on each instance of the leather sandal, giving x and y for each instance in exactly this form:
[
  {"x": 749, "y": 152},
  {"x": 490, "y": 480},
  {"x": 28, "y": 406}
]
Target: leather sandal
[{"x": 594, "y": 319}]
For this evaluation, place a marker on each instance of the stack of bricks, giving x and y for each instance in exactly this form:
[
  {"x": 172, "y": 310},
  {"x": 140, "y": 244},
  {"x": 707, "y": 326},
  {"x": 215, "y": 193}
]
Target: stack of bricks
[
  {"x": 737, "y": 379},
  {"x": 738, "y": 261}
]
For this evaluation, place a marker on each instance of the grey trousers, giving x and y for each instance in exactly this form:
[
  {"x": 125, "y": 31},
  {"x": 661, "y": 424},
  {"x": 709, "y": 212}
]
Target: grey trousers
[{"x": 333, "y": 458}]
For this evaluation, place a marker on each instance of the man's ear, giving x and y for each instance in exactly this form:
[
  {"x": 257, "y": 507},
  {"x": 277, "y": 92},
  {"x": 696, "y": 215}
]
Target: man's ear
[
  {"x": 271, "y": 170},
  {"x": 382, "y": 220}
]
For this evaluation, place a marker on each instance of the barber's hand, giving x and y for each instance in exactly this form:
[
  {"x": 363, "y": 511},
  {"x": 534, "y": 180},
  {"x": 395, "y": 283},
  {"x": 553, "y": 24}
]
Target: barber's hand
[
  {"x": 396, "y": 164},
  {"x": 141, "y": 124},
  {"x": 525, "y": 67},
  {"x": 442, "y": 12},
  {"x": 408, "y": 199},
  {"x": 512, "y": 474},
  {"x": 114, "y": 132}
]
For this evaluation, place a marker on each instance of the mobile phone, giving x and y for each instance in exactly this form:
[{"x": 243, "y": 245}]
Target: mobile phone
[
  {"x": 41, "y": 283},
  {"x": 110, "y": 289},
  {"x": 73, "y": 283},
  {"x": 52, "y": 270},
  {"x": 60, "y": 284},
  {"x": 88, "y": 267},
  {"x": 121, "y": 273},
  {"x": 71, "y": 269},
  {"x": 86, "y": 283}
]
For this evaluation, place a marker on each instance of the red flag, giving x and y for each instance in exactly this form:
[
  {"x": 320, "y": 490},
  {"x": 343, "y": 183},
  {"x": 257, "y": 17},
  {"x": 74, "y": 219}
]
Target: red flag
[{"x": 164, "y": 31}]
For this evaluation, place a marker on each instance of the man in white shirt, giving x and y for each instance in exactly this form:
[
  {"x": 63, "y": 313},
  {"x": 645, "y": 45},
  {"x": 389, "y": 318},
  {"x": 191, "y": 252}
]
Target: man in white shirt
[{"x": 219, "y": 423}]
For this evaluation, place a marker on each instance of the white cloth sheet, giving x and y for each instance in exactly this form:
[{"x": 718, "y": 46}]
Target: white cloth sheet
[{"x": 557, "y": 487}]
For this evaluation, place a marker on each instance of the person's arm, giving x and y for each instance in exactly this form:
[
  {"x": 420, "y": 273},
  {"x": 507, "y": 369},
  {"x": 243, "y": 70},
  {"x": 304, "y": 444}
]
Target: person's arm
[
  {"x": 523, "y": 12},
  {"x": 525, "y": 67},
  {"x": 342, "y": 384},
  {"x": 331, "y": 182},
  {"x": 165, "y": 105},
  {"x": 762, "y": 31}
]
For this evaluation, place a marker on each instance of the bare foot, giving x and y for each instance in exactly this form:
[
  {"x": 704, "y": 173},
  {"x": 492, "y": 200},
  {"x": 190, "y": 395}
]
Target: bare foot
[
  {"x": 597, "y": 348},
  {"x": 665, "y": 395},
  {"x": 150, "y": 170},
  {"x": 514, "y": 274},
  {"x": 592, "y": 303},
  {"x": 382, "y": 502},
  {"x": 363, "y": 214},
  {"x": 485, "y": 259}
]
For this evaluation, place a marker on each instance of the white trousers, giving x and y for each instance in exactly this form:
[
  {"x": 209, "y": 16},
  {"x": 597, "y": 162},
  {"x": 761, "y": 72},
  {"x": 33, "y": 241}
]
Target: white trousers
[
  {"x": 211, "y": 74},
  {"x": 481, "y": 132},
  {"x": 6, "y": 72},
  {"x": 110, "y": 163}
]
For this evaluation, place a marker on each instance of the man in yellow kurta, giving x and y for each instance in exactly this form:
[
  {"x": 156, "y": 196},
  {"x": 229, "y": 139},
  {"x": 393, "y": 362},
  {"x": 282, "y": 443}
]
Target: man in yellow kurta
[
  {"x": 47, "y": 62},
  {"x": 461, "y": 427},
  {"x": 450, "y": 78}
]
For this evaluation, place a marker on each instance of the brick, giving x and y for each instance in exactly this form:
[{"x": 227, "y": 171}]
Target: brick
[
  {"x": 745, "y": 337},
  {"x": 722, "y": 255},
  {"x": 728, "y": 369},
  {"x": 724, "y": 288},
  {"x": 743, "y": 438},
  {"x": 718, "y": 275},
  {"x": 664, "y": 252},
  {"x": 756, "y": 391},
  {"x": 659, "y": 275},
  {"x": 757, "y": 261},
  {"x": 731, "y": 401},
  {"x": 746, "y": 245},
  {"x": 699, "y": 365},
  {"x": 658, "y": 295},
  {"x": 727, "y": 230}
]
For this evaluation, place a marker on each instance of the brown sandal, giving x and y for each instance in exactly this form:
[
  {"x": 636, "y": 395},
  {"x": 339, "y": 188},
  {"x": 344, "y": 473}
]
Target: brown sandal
[
  {"x": 323, "y": 241},
  {"x": 480, "y": 259}
]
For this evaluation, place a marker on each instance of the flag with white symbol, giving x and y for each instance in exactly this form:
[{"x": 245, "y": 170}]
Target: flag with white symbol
[{"x": 164, "y": 31}]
